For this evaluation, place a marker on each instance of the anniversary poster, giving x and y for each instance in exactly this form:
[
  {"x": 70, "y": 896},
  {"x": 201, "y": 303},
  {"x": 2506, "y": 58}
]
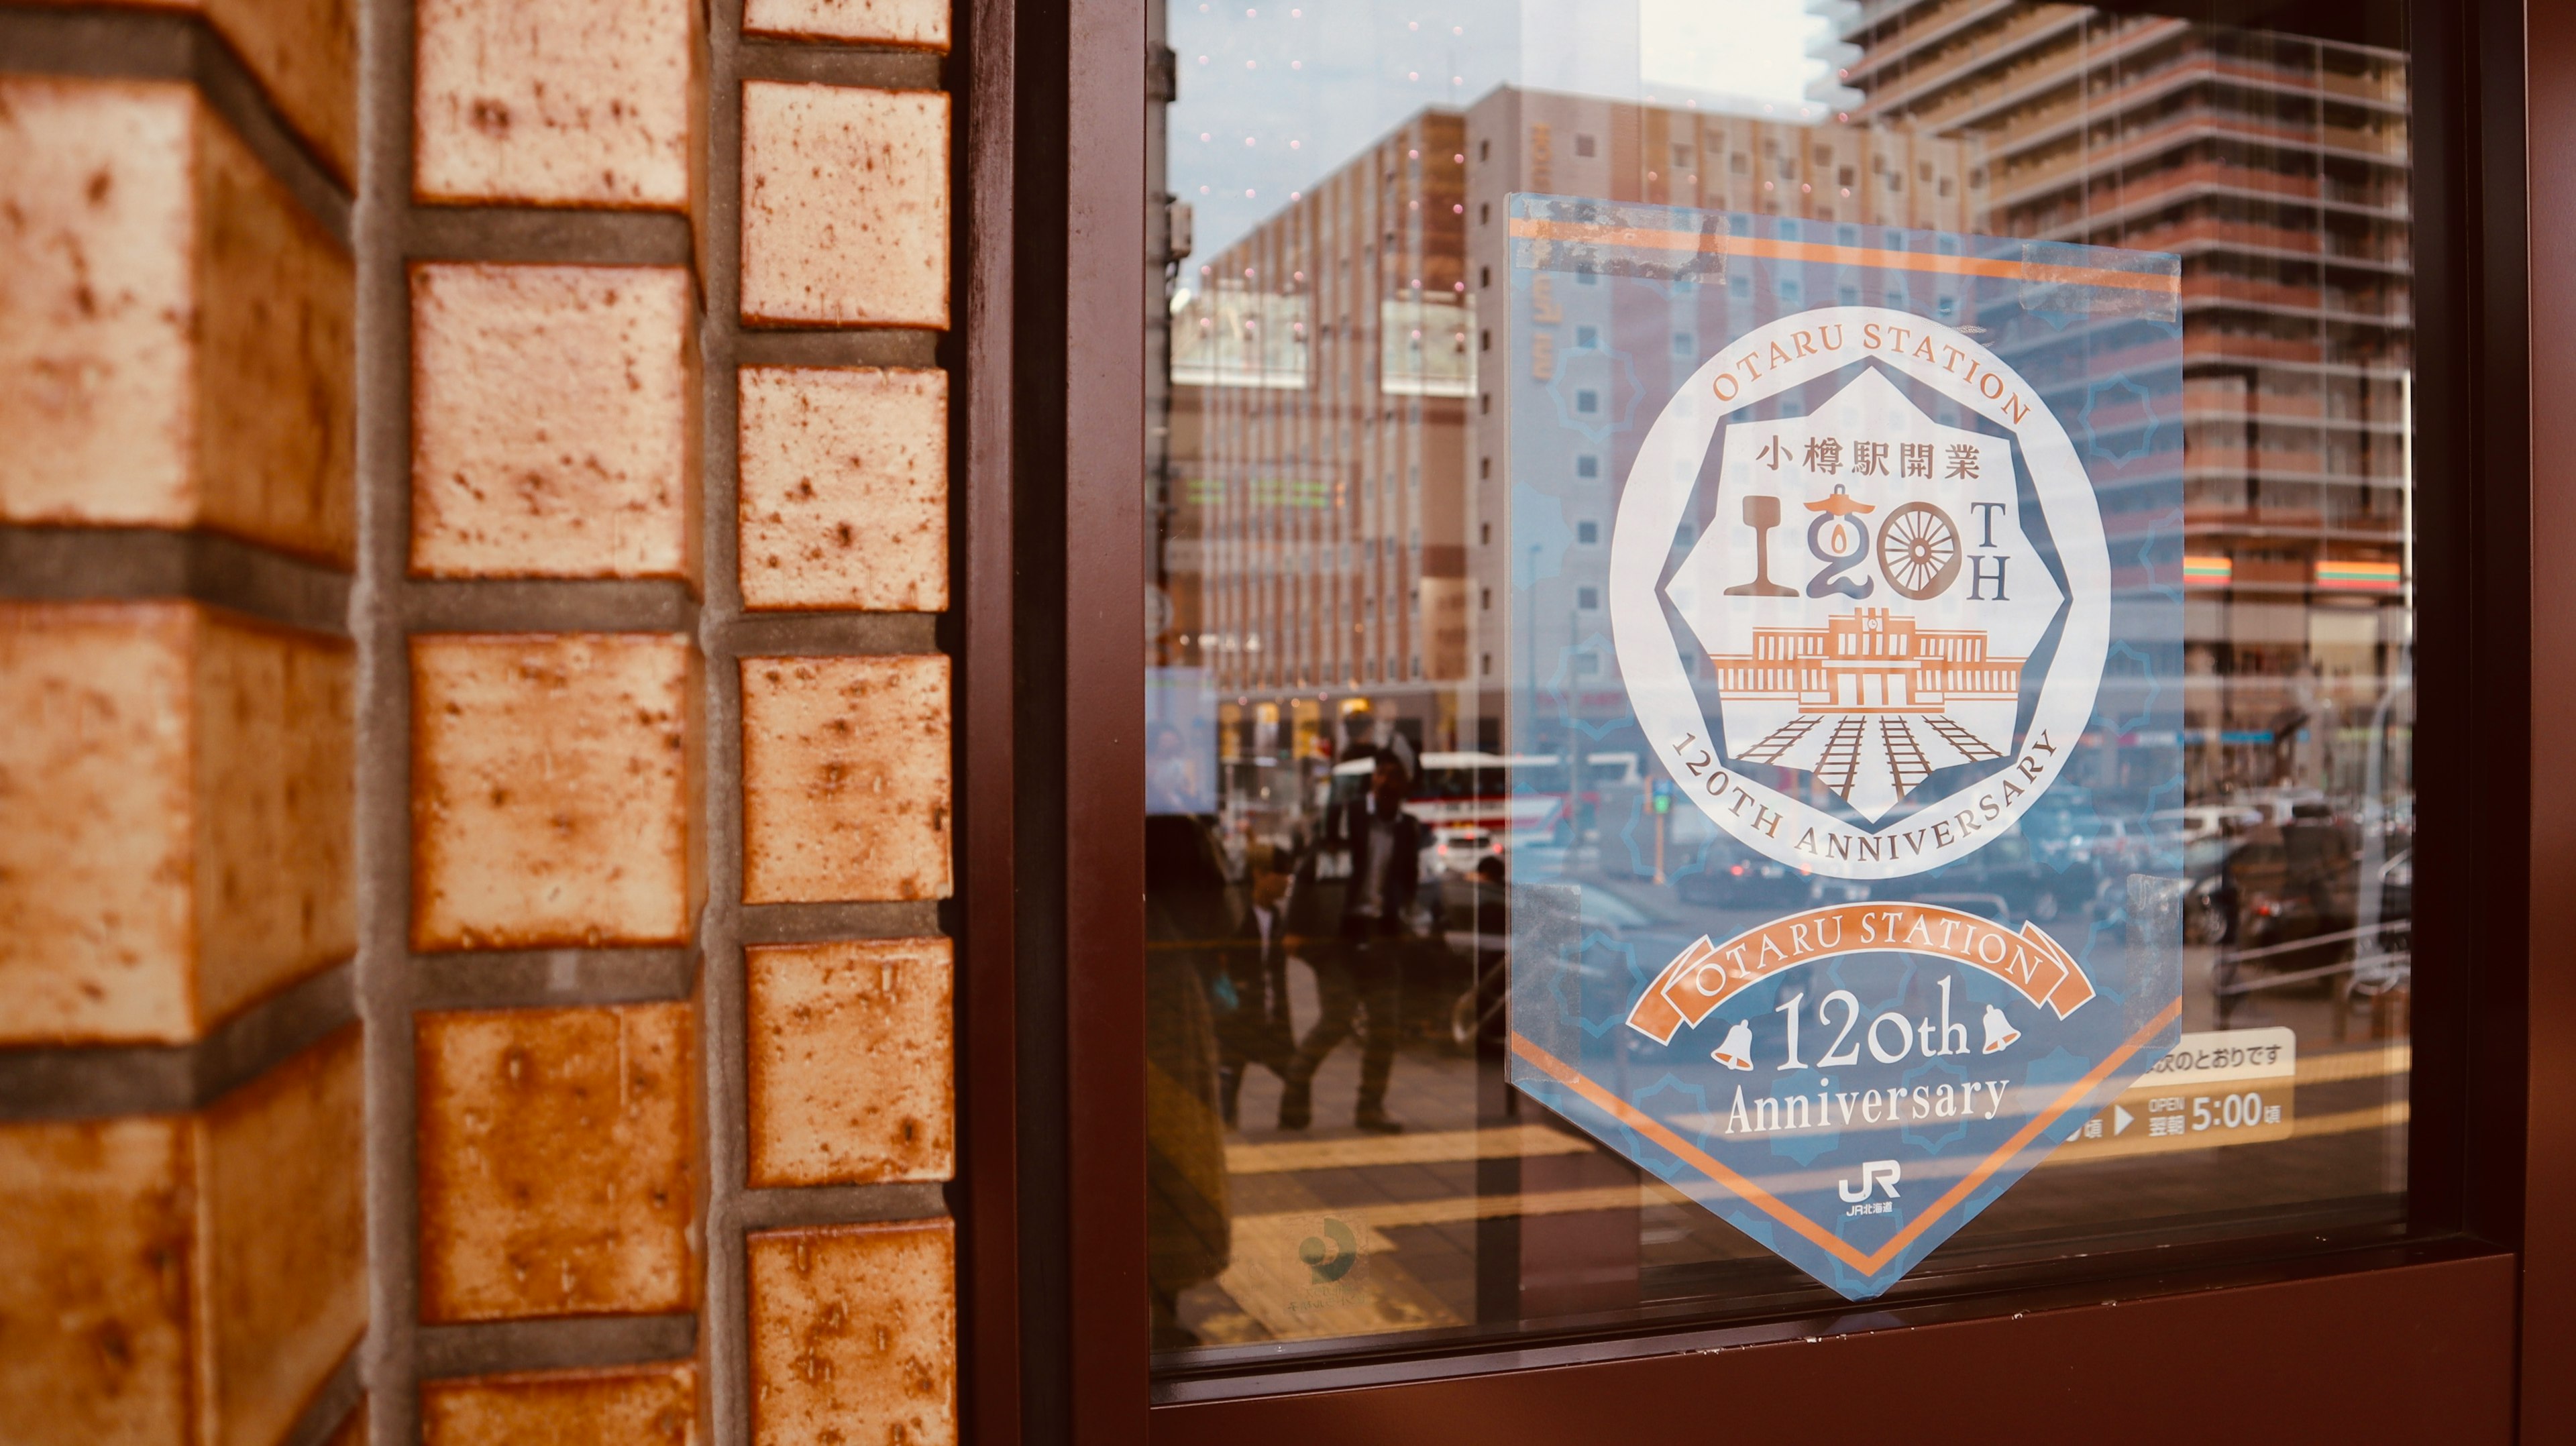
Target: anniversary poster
[{"x": 1855, "y": 555}]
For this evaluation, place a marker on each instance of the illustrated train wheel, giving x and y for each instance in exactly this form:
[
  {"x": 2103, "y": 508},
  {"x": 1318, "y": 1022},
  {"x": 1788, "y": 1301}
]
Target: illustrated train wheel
[{"x": 1918, "y": 550}]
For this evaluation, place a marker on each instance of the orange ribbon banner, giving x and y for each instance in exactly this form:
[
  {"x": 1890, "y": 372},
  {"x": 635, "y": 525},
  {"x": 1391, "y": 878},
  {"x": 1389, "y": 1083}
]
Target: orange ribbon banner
[{"x": 1706, "y": 975}]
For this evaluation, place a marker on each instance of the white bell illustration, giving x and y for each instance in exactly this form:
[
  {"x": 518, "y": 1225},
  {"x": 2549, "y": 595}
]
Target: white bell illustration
[
  {"x": 1737, "y": 1052},
  {"x": 1999, "y": 1030}
]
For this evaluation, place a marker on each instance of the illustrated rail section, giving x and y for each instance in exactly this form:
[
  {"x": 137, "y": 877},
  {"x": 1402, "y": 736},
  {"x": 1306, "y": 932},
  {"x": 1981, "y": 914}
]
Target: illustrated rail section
[
  {"x": 1904, "y": 755},
  {"x": 1780, "y": 740},
  {"x": 1968, "y": 744},
  {"x": 1840, "y": 766}
]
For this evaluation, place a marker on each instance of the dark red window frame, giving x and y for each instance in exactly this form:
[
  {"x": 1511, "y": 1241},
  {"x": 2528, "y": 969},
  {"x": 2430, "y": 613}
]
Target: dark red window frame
[{"x": 2427, "y": 1336}]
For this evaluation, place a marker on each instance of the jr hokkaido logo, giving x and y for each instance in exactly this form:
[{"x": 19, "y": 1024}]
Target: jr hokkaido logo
[{"x": 1869, "y": 594}]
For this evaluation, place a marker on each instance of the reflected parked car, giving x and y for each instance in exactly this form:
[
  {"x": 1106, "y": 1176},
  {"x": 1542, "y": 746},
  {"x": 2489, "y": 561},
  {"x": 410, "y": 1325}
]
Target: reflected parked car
[
  {"x": 2012, "y": 870},
  {"x": 2204, "y": 821},
  {"x": 2279, "y": 884},
  {"x": 1751, "y": 883}
]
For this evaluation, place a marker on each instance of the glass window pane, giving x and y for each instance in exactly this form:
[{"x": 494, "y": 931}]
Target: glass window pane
[{"x": 1488, "y": 541}]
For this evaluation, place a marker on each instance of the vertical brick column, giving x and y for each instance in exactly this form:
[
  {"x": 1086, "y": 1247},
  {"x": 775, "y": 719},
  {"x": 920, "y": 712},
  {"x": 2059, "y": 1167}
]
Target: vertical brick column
[
  {"x": 181, "y": 1092},
  {"x": 831, "y": 1285},
  {"x": 533, "y": 792},
  {"x": 475, "y": 742}
]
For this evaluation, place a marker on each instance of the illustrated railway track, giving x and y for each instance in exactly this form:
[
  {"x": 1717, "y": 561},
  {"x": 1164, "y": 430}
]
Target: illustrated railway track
[
  {"x": 1904, "y": 755},
  {"x": 1780, "y": 740},
  {"x": 1968, "y": 744},
  {"x": 1841, "y": 763}
]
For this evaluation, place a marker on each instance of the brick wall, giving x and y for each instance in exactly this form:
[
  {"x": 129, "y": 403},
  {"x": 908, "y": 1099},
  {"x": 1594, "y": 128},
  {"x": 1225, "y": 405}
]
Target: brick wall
[{"x": 475, "y": 747}]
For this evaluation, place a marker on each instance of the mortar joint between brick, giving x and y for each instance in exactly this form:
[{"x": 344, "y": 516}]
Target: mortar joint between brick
[
  {"x": 499, "y": 234},
  {"x": 97, "y": 564},
  {"x": 331, "y": 1402},
  {"x": 102, "y": 1081},
  {"x": 447, "y": 1351}
]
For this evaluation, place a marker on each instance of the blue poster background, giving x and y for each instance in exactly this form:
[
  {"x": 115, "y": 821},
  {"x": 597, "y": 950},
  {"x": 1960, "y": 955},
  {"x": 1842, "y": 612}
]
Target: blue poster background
[{"x": 1847, "y": 1155}]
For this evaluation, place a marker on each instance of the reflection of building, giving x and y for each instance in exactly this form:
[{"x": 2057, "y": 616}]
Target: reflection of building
[
  {"x": 2276, "y": 166},
  {"x": 1868, "y": 660},
  {"x": 1841, "y": 177},
  {"x": 1339, "y": 521},
  {"x": 1320, "y": 368}
]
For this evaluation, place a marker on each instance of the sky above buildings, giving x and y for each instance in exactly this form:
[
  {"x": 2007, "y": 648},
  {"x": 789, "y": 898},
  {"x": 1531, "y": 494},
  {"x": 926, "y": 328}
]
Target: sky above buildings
[{"x": 1275, "y": 96}]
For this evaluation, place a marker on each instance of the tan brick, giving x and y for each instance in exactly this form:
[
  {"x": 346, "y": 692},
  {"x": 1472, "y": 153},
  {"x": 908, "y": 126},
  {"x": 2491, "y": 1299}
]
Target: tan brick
[
  {"x": 922, "y": 24},
  {"x": 854, "y": 1335},
  {"x": 283, "y": 1236},
  {"x": 276, "y": 774},
  {"x": 554, "y": 1158},
  {"x": 553, "y": 422},
  {"x": 276, "y": 379},
  {"x": 551, "y": 779},
  {"x": 184, "y": 1278},
  {"x": 845, "y": 770},
  {"x": 571, "y": 103},
  {"x": 844, "y": 486},
  {"x": 851, "y": 1062},
  {"x": 844, "y": 206},
  {"x": 174, "y": 329},
  {"x": 175, "y": 332},
  {"x": 94, "y": 1282},
  {"x": 305, "y": 54},
  {"x": 97, "y": 856},
  {"x": 96, "y": 294},
  {"x": 652, "y": 1405},
  {"x": 175, "y": 792}
]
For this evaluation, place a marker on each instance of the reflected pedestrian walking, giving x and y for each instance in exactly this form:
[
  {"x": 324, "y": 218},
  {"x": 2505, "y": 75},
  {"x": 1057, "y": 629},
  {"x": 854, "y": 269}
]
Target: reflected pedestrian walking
[
  {"x": 1249, "y": 984},
  {"x": 1375, "y": 847}
]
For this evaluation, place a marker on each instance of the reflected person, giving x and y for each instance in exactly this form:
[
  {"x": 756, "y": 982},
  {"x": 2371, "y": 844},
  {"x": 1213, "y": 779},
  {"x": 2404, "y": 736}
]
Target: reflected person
[
  {"x": 1361, "y": 971},
  {"x": 1249, "y": 985}
]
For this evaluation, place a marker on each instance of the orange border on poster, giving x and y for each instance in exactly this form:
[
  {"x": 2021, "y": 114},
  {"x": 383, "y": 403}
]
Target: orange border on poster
[
  {"x": 1771, "y": 1205},
  {"x": 1537, "y": 229}
]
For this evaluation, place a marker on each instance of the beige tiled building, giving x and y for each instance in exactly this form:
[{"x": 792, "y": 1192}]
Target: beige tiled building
[
  {"x": 1321, "y": 370},
  {"x": 2276, "y": 166},
  {"x": 1551, "y": 144},
  {"x": 1336, "y": 451}
]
